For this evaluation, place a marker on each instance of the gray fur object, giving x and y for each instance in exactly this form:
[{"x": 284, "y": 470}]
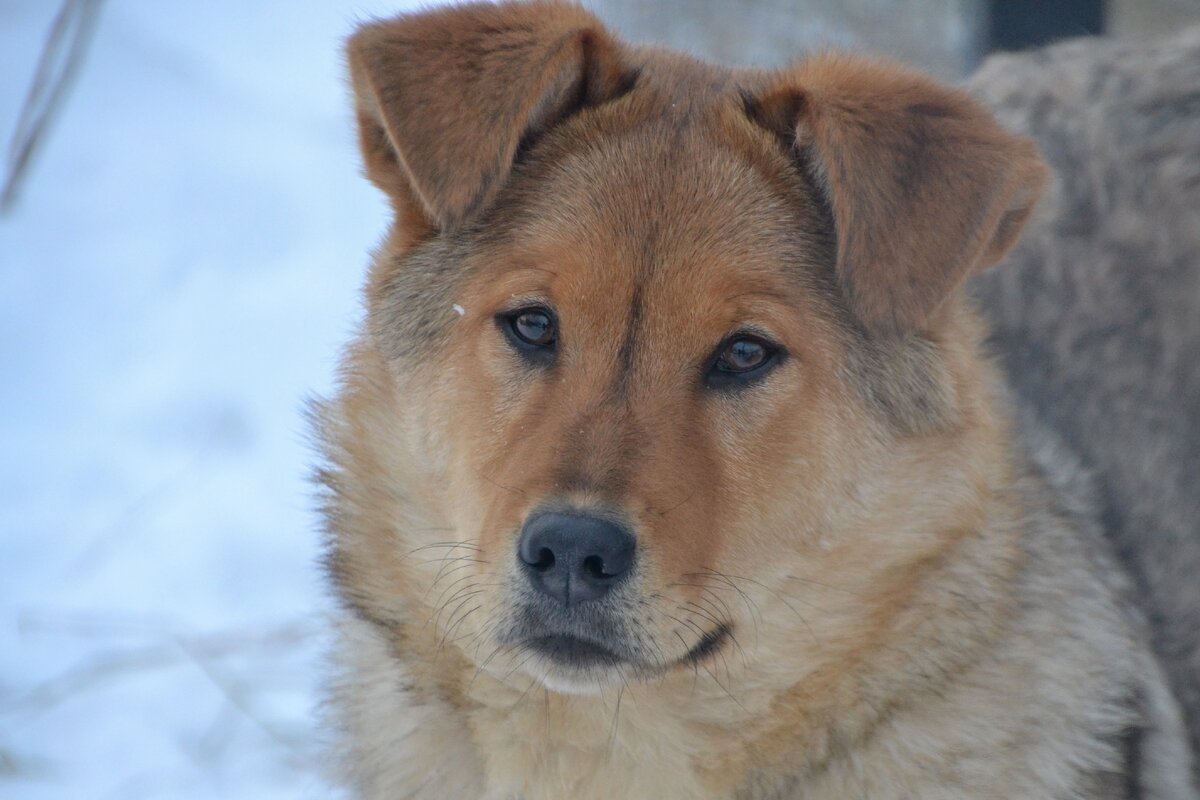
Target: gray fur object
[{"x": 1097, "y": 311}]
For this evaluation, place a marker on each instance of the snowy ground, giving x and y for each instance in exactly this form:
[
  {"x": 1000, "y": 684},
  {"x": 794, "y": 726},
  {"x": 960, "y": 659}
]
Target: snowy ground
[{"x": 177, "y": 277}]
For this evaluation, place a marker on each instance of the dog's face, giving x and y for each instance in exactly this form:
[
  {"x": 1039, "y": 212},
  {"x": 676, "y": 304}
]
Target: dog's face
[
  {"x": 627, "y": 392},
  {"x": 660, "y": 343}
]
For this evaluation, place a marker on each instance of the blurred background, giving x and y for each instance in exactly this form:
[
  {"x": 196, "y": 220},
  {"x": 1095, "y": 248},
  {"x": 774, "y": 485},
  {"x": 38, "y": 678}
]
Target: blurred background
[{"x": 183, "y": 235}]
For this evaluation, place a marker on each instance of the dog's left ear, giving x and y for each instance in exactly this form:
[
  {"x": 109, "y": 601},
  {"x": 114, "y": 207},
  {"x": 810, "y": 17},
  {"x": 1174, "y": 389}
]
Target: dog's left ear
[
  {"x": 446, "y": 97},
  {"x": 924, "y": 187}
]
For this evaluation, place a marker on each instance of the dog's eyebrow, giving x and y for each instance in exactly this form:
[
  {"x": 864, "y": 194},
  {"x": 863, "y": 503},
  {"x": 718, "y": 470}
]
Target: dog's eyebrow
[
  {"x": 756, "y": 299},
  {"x": 531, "y": 268},
  {"x": 762, "y": 294},
  {"x": 524, "y": 279},
  {"x": 525, "y": 270}
]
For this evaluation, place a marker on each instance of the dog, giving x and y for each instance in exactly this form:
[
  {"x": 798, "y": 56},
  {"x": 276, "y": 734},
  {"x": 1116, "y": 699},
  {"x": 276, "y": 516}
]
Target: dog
[{"x": 669, "y": 461}]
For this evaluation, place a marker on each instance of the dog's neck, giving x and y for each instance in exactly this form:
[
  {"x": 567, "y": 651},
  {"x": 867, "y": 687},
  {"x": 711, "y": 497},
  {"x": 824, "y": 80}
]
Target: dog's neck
[{"x": 635, "y": 740}]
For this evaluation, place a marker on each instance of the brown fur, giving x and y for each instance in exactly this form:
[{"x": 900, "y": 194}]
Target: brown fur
[{"x": 895, "y": 607}]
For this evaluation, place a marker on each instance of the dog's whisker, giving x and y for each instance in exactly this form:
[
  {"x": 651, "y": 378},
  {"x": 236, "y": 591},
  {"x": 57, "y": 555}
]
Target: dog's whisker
[
  {"x": 532, "y": 682},
  {"x": 479, "y": 637},
  {"x": 692, "y": 626},
  {"x": 643, "y": 635},
  {"x": 518, "y": 665},
  {"x": 452, "y": 624},
  {"x": 779, "y": 596},
  {"x": 677, "y": 505},
  {"x": 470, "y": 579},
  {"x": 727, "y": 617},
  {"x": 718, "y": 625},
  {"x": 444, "y": 545},
  {"x": 751, "y": 606},
  {"x": 612, "y": 734},
  {"x": 660, "y": 659},
  {"x": 446, "y": 571},
  {"x": 483, "y": 665},
  {"x": 714, "y": 600},
  {"x": 499, "y": 485},
  {"x": 686, "y": 649},
  {"x": 462, "y": 595},
  {"x": 445, "y": 559},
  {"x": 694, "y": 607},
  {"x": 724, "y": 688},
  {"x": 702, "y": 664}
]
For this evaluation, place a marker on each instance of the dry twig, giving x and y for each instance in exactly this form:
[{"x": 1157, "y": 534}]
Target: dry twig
[{"x": 61, "y": 58}]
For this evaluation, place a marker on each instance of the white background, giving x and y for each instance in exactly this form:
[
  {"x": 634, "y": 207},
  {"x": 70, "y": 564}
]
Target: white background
[{"x": 176, "y": 278}]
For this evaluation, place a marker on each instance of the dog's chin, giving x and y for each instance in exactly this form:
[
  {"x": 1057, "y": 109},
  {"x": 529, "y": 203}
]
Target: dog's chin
[
  {"x": 577, "y": 682},
  {"x": 570, "y": 665}
]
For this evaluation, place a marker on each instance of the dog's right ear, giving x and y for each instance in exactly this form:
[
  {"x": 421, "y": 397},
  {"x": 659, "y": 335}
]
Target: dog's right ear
[{"x": 445, "y": 98}]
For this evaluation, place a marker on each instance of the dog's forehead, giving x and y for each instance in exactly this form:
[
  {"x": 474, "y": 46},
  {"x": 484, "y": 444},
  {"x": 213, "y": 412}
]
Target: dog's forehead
[
  {"x": 683, "y": 84},
  {"x": 674, "y": 181}
]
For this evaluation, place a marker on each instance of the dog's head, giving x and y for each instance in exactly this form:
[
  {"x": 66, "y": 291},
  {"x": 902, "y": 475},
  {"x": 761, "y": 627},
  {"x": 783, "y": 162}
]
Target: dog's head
[{"x": 662, "y": 360}]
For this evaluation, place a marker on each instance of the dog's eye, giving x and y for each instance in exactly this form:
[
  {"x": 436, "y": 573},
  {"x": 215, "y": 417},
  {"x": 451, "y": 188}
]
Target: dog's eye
[
  {"x": 534, "y": 327},
  {"x": 742, "y": 355},
  {"x": 740, "y": 360},
  {"x": 532, "y": 332}
]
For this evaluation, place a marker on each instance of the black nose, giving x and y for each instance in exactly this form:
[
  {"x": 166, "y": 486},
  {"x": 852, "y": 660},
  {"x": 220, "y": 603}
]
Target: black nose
[{"x": 574, "y": 558}]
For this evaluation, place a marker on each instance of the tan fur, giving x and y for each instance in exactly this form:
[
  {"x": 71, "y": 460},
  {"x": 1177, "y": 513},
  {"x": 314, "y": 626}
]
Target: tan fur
[{"x": 910, "y": 613}]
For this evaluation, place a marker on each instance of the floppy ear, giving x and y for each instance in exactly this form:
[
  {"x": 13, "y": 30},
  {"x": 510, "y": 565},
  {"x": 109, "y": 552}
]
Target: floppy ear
[
  {"x": 445, "y": 98},
  {"x": 924, "y": 187}
]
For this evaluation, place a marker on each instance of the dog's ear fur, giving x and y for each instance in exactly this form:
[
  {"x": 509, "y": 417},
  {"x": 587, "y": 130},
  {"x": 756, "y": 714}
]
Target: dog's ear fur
[
  {"x": 445, "y": 98},
  {"x": 923, "y": 185}
]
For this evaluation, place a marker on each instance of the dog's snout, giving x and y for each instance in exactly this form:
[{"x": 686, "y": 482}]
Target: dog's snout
[{"x": 575, "y": 558}]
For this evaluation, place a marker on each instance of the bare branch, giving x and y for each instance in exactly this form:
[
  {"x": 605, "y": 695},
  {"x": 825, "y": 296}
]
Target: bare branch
[{"x": 61, "y": 58}]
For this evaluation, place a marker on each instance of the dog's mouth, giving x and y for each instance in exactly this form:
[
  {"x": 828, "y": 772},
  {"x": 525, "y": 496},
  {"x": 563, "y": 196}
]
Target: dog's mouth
[
  {"x": 576, "y": 653},
  {"x": 571, "y": 651}
]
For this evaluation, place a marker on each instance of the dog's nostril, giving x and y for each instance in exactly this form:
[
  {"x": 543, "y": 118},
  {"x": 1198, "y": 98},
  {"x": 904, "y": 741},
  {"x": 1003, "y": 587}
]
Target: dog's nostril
[
  {"x": 545, "y": 560},
  {"x": 594, "y": 567}
]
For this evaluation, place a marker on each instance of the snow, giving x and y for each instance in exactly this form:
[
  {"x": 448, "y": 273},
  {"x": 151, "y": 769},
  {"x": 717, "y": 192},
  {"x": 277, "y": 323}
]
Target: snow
[{"x": 176, "y": 278}]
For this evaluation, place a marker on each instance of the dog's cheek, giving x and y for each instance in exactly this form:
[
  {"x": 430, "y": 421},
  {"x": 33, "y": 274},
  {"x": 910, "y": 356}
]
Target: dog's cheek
[
  {"x": 713, "y": 484},
  {"x": 798, "y": 456},
  {"x": 489, "y": 412}
]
